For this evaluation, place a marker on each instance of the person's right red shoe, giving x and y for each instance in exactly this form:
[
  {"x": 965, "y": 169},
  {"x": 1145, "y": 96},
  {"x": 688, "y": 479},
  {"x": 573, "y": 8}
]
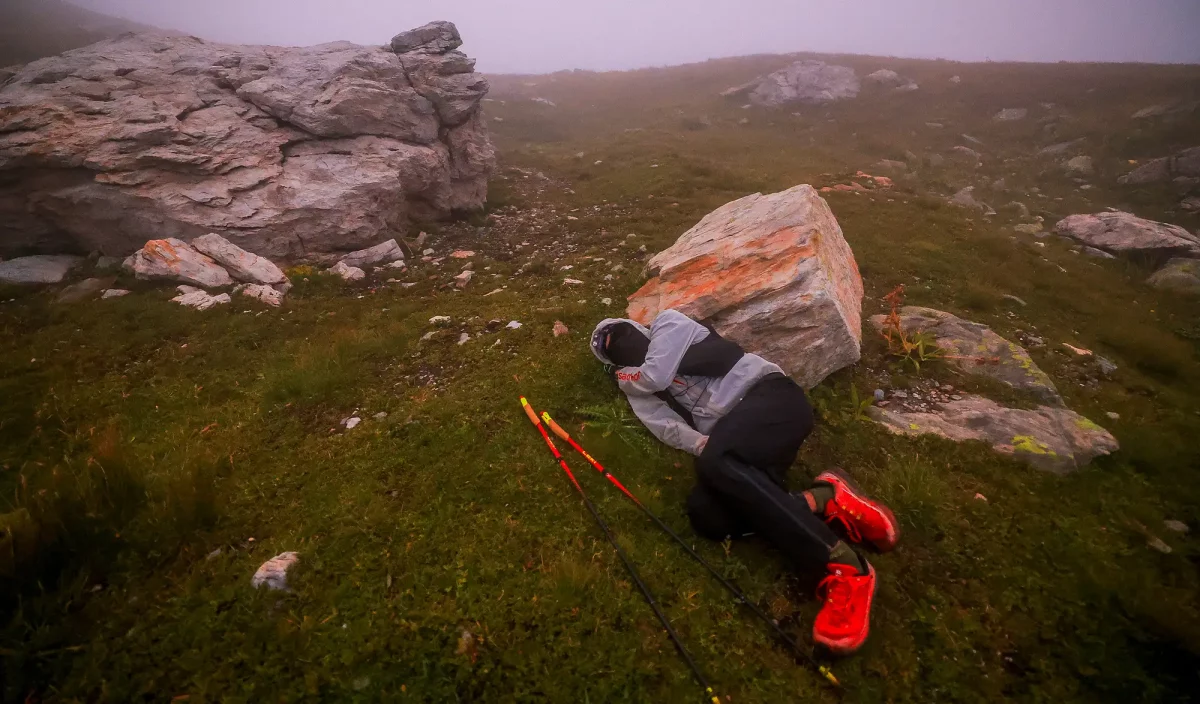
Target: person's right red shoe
[
  {"x": 865, "y": 520},
  {"x": 845, "y": 619}
]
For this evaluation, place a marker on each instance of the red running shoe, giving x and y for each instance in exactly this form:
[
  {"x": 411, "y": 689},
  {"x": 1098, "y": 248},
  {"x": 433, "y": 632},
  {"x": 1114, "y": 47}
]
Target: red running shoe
[
  {"x": 865, "y": 520},
  {"x": 845, "y": 619}
]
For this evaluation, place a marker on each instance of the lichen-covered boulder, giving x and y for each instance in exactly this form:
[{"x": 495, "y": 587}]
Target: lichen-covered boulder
[
  {"x": 175, "y": 260},
  {"x": 1051, "y": 438},
  {"x": 1180, "y": 275},
  {"x": 976, "y": 349},
  {"x": 770, "y": 272}
]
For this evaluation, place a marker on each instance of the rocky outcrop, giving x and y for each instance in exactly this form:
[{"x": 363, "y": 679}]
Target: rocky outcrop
[
  {"x": 38, "y": 269},
  {"x": 1123, "y": 233},
  {"x": 1185, "y": 164},
  {"x": 1050, "y": 438},
  {"x": 1180, "y": 275},
  {"x": 975, "y": 349},
  {"x": 805, "y": 82},
  {"x": 198, "y": 298},
  {"x": 285, "y": 151},
  {"x": 770, "y": 272}
]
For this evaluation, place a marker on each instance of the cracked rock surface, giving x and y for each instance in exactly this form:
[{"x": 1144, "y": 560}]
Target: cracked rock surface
[{"x": 285, "y": 152}]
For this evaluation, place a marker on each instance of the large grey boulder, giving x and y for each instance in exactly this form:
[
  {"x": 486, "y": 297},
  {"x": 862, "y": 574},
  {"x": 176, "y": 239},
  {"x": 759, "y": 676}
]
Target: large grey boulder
[
  {"x": 285, "y": 151},
  {"x": 1124, "y": 233},
  {"x": 38, "y": 269},
  {"x": 1184, "y": 164},
  {"x": 1181, "y": 275},
  {"x": 770, "y": 272},
  {"x": 807, "y": 82},
  {"x": 975, "y": 349},
  {"x": 1050, "y": 438}
]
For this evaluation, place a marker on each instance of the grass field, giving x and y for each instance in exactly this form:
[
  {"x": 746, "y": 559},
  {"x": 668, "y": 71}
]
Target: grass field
[{"x": 152, "y": 457}]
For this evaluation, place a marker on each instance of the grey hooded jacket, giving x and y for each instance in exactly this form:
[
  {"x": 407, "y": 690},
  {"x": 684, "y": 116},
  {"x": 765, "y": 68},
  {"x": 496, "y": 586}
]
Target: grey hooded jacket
[{"x": 708, "y": 398}]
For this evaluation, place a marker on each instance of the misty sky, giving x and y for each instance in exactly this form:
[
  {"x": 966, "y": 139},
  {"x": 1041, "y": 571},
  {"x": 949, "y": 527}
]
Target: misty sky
[{"x": 537, "y": 36}]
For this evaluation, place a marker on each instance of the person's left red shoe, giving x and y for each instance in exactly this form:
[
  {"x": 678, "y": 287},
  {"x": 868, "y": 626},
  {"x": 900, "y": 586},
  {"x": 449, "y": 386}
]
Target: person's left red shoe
[
  {"x": 845, "y": 619},
  {"x": 865, "y": 520}
]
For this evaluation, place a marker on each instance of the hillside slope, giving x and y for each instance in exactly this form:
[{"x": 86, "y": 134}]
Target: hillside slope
[
  {"x": 31, "y": 29},
  {"x": 162, "y": 454}
]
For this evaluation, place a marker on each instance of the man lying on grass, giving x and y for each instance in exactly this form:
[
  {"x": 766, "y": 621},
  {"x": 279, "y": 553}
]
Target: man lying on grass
[{"x": 745, "y": 420}]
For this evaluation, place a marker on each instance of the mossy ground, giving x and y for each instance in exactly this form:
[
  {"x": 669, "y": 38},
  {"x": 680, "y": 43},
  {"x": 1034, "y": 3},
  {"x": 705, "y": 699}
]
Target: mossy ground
[{"x": 141, "y": 437}]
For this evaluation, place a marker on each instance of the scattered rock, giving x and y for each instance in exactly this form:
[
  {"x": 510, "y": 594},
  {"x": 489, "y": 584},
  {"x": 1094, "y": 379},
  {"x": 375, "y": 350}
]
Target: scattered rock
[
  {"x": 1081, "y": 165},
  {"x": 382, "y": 253},
  {"x": 1113, "y": 416},
  {"x": 807, "y": 82},
  {"x": 1106, "y": 366},
  {"x": 1156, "y": 543},
  {"x": 513, "y": 325},
  {"x": 241, "y": 265},
  {"x": 770, "y": 272},
  {"x": 1181, "y": 275},
  {"x": 1079, "y": 351},
  {"x": 1122, "y": 233},
  {"x": 972, "y": 140},
  {"x": 1032, "y": 228},
  {"x": 572, "y": 282},
  {"x": 879, "y": 395},
  {"x": 965, "y": 154},
  {"x": 1096, "y": 253},
  {"x": 88, "y": 288},
  {"x": 890, "y": 79},
  {"x": 1019, "y": 301},
  {"x": 462, "y": 254},
  {"x": 976, "y": 349},
  {"x": 966, "y": 198},
  {"x": 264, "y": 293},
  {"x": 1176, "y": 526},
  {"x": 176, "y": 260},
  {"x": 1060, "y": 148},
  {"x": 273, "y": 572},
  {"x": 1010, "y": 115},
  {"x": 464, "y": 278},
  {"x": 114, "y": 293},
  {"x": 1185, "y": 163},
  {"x": 284, "y": 150},
  {"x": 464, "y": 338},
  {"x": 440, "y": 320},
  {"x": 560, "y": 329},
  {"x": 606, "y": 301},
  {"x": 544, "y": 101},
  {"x": 1051, "y": 438},
  {"x": 199, "y": 298},
  {"x": 351, "y": 422},
  {"x": 38, "y": 269},
  {"x": 347, "y": 272},
  {"x": 105, "y": 263},
  {"x": 956, "y": 79}
]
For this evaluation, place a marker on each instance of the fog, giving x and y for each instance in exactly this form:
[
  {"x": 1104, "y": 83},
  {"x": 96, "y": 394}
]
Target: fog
[{"x": 537, "y": 36}]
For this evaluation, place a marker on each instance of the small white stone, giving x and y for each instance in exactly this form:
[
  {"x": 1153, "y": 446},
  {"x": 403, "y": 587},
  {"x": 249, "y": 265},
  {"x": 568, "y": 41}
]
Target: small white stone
[
  {"x": 572, "y": 282},
  {"x": 513, "y": 325},
  {"x": 351, "y": 422},
  {"x": 114, "y": 293},
  {"x": 606, "y": 301},
  {"x": 464, "y": 338},
  {"x": 439, "y": 320}
]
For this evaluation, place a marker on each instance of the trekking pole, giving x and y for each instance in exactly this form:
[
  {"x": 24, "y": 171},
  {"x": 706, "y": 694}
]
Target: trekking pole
[
  {"x": 737, "y": 593},
  {"x": 662, "y": 617}
]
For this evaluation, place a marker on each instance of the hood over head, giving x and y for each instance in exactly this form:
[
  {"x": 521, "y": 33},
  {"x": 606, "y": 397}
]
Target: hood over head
[{"x": 602, "y": 329}]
